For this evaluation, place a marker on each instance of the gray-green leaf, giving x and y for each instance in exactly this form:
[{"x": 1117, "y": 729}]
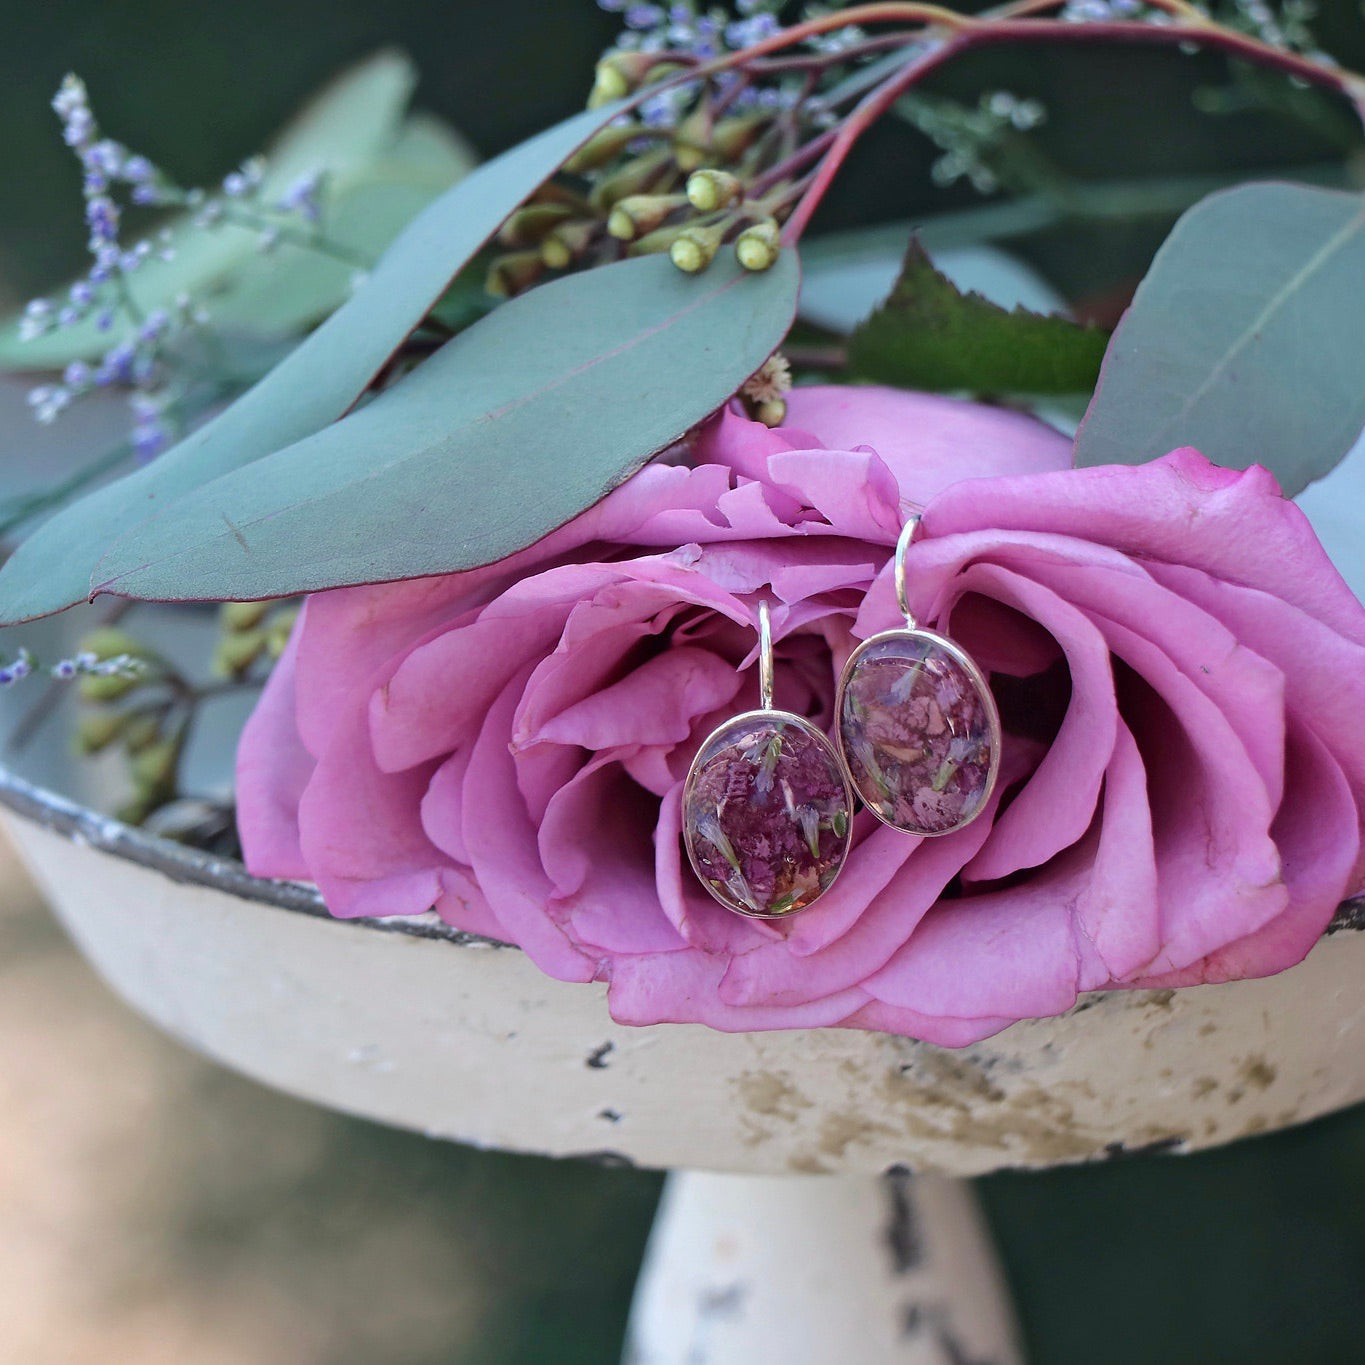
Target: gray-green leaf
[
  {"x": 1243, "y": 340},
  {"x": 510, "y": 430},
  {"x": 312, "y": 386}
]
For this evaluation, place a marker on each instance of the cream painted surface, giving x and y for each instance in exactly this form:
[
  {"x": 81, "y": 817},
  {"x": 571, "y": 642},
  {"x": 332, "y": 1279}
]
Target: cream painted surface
[{"x": 473, "y": 1043}]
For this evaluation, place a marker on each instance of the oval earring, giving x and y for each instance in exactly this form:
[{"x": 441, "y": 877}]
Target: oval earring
[
  {"x": 917, "y": 725},
  {"x": 767, "y": 806}
]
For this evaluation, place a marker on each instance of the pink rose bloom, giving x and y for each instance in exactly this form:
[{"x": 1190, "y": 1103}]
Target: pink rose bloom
[{"x": 1180, "y": 673}]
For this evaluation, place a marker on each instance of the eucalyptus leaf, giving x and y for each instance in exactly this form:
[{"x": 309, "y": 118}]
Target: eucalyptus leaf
[
  {"x": 929, "y": 335},
  {"x": 314, "y": 385},
  {"x": 1243, "y": 340},
  {"x": 352, "y": 129},
  {"x": 514, "y": 427}
]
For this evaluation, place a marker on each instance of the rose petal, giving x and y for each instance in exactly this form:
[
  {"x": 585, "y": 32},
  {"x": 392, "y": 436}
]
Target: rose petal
[{"x": 273, "y": 770}]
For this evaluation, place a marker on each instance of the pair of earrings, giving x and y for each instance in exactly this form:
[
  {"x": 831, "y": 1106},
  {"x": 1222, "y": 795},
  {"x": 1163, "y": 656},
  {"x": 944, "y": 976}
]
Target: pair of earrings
[{"x": 768, "y": 803}]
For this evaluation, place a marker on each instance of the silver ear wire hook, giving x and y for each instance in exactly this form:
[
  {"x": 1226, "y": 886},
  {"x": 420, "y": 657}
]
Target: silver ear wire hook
[
  {"x": 907, "y": 538},
  {"x": 765, "y": 658}
]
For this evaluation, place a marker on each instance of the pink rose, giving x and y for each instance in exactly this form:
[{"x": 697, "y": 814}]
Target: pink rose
[{"x": 1178, "y": 666}]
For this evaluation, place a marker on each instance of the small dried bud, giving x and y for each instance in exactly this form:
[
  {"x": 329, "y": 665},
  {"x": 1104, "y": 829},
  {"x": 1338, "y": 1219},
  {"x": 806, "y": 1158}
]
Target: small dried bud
[
  {"x": 709, "y": 190},
  {"x": 757, "y": 247},
  {"x": 771, "y": 413},
  {"x": 641, "y": 213}
]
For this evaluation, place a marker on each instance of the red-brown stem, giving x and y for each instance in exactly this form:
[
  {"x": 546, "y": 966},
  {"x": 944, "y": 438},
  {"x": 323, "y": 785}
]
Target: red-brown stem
[{"x": 991, "y": 32}]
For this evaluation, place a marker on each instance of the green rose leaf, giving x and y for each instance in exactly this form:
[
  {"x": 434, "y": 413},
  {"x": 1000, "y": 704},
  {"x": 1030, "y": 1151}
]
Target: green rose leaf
[
  {"x": 929, "y": 335},
  {"x": 514, "y": 427},
  {"x": 312, "y": 386},
  {"x": 1243, "y": 340}
]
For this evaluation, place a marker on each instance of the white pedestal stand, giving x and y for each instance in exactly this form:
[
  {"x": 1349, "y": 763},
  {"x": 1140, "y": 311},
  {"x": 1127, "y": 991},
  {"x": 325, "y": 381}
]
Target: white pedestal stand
[{"x": 819, "y": 1271}]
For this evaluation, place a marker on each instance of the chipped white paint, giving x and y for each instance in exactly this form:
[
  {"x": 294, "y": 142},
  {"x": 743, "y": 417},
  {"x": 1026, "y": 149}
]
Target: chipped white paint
[
  {"x": 472, "y": 1042},
  {"x": 744, "y": 1269}
]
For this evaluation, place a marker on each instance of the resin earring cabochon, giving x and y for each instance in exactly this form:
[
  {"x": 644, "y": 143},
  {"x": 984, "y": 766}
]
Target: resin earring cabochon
[
  {"x": 767, "y": 814},
  {"x": 918, "y": 730}
]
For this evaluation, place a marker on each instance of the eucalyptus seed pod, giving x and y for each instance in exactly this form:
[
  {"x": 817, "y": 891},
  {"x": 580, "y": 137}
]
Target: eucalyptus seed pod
[
  {"x": 640, "y": 213},
  {"x": 140, "y": 731},
  {"x": 603, "y": 147},
  {"x": 235, "y": 654},
  {"x": 99, "y": 687},
  {"x": 568, "y": 242},
  {"x": 757, "y": 247},
  {"x": 154, "y": 768},
  {"x": 107, "y": 642},
  {"x": 732, "y": 137},
  {"x": 279, "y": 628},
  {"x": 642, "y": 175},
  {"x": 529, "y": 224},
  {"x": 512, "y": 272},
  {"x": 235, "y": 616},
  {"x": 709, "y": 190},
  {"x": 617, "y": 74},
  {"x": 652, "y": 243},
  {"x": 97, "y": 731},
  {"x": 696, "y": 246},
  {"x": 692, "y": 142}
]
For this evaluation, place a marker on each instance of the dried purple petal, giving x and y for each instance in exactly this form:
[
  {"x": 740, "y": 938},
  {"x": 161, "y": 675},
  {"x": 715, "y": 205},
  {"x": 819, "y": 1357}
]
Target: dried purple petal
[
  {"x": 917, "y": 732},
  {"x": 766, "y": 814}
]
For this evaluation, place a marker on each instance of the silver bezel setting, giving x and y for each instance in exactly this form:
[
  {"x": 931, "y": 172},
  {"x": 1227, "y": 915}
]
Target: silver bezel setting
[
  {"x": 969, "y": 666},
  {"x": 769, "y": 714}
]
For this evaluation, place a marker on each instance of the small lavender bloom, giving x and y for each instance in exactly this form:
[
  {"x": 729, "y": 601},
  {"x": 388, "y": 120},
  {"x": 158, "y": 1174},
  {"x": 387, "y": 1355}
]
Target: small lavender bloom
[
  {"x": 154, "y": 326},
  {"x": 47, "y": 401},
  {"x": 64, "y": 668},
  {"x": 104, "y": 158},
  {"x": 644, "y": 17},
  {"x": 612, "y": 6},
  {"x": 235, "y": 185},
  {"x": 77, "y": 376},
  {"x": 137, "y": 170},
  {"x": 105, "y": 320},
  {"x": 149, "y": 439},
  {"x": 70, "y": 96},
  {"x": 68, "y": 317},
  {"x": 82, "y": 295},
  {"x": 102, "y": 215},
  {"x": 146, "y": 194},
  {"x": 21, "y": 667},
  {"x": 746, "y": 32},
  {"x": 94, "y": 183},
  {"x": 79, "y": 128}
]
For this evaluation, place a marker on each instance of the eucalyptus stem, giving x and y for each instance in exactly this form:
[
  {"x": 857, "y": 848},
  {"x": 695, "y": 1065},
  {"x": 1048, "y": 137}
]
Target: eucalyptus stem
[{"x": 1192, "y": 28}]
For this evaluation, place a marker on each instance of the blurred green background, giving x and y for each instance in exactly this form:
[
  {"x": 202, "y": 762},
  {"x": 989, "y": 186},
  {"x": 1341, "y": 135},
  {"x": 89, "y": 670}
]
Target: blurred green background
[{"x": 153, "y": 1207}]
